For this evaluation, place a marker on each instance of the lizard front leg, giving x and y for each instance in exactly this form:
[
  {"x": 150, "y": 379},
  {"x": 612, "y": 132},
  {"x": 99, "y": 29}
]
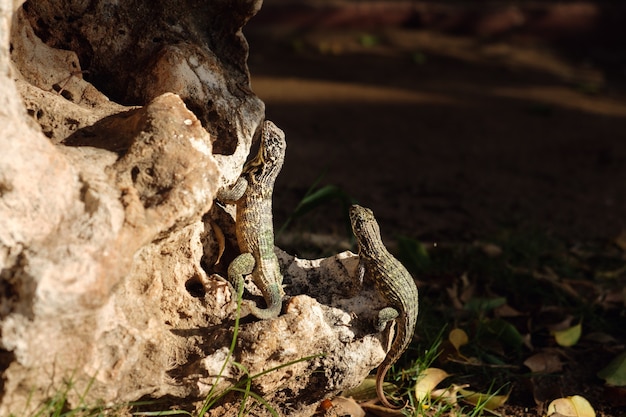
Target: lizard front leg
[
  {"x": 385, "y": 316},
  {"x": 232, "y": 194}
]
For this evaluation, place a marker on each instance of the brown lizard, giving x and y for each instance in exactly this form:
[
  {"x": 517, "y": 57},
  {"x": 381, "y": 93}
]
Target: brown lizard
[
  {"x": 393, "y": 281},
  {"x": 252, "y": 194}
]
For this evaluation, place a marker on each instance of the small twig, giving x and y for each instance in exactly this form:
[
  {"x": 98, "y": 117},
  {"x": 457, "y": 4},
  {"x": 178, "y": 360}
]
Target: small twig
[{"x": 67, "y": 79}]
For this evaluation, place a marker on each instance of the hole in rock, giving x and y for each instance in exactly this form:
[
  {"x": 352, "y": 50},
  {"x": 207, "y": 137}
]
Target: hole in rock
[
  {"x": 42, "y": 30},
  {"x": 64, "y": 93},
  {"x": 67, "y": 95},
  {"x": 6, "y": 358},
  {"x": 134, "y": 173},
  {"x": 194, "y": 287}
]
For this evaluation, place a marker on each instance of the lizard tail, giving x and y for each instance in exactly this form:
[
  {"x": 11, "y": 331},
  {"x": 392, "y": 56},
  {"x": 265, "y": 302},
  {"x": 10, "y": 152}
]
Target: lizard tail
[
  {"x": 404, "y": 327},
  {"x": 380, "y": 376},
  {"x": 275, "y": 304}
]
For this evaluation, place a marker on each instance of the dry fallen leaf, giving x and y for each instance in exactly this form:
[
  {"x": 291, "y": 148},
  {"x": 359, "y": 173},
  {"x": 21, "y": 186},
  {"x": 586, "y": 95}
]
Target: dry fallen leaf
[
  {"x": 489, "y": 401},
  {"x": 544, "y": 362},
  {"x": 367, "y": 389},
  {"x": 565, "y": 323},
  {"x": 620, "y": 240},
  {"x": 448, "y": 395},
  {"x": 452, "y": 292},
  {"x": 428, "y": 380},
  {"x": 548, "y": 275},
  {"x": 490, "y": 249},
  {"x": 458, "y": 338},
  {"x": 381, "y": 411},
  {"x": 468, "y": 288},
  {"x": 343, "y": 406},
  {"x": 528, "y": 342},
  {"x": 460, "y": 296},
  {"x": 575, "y": 406},
  {"x": 600, "y": 337},
  {"x": 506, "y": 310}
]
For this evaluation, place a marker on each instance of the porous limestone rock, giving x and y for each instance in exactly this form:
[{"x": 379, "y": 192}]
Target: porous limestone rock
[{"x": 111, "y": 261}]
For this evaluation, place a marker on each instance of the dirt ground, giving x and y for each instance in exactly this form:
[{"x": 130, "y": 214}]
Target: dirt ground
[
  {"x": 445, "y": 137},
  {"x": 448, "y": 137}
]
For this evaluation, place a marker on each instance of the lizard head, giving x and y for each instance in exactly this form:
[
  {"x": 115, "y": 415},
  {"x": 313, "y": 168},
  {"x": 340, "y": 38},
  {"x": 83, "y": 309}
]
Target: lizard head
[
  {"x": 364, "y": 226},
  {"x": 273, "y": 144},
  {"x": 360, "y": 214},
  {"x": 269, "y": 160}
]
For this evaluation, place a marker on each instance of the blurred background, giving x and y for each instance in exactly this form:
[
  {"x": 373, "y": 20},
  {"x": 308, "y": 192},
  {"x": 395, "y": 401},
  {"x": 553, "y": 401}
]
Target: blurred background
[
  {"x": 452, "y": 120},
  {"x": 489, "y": 139}
]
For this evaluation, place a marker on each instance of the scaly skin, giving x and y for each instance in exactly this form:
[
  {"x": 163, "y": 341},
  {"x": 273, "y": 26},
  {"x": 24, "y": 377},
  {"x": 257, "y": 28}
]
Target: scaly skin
[
  {"x": 393, "y": 281},
  {"x": 242, "y": 265},
  {"x": 254, "y": 224}
]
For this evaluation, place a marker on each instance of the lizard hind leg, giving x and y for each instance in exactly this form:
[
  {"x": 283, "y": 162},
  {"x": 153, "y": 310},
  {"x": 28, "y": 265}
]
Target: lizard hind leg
[
  {"x": 274, "y": 305},
  {"x": 240, "y": 266},
  {"x": 244, "y": 265}
]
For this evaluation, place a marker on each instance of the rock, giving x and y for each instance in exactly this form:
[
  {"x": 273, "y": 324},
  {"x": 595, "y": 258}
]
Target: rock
[
  {"x": 326, "y": 321},
  {"x": 111, "y": 264},
  {"x": 138, "y": 49}
]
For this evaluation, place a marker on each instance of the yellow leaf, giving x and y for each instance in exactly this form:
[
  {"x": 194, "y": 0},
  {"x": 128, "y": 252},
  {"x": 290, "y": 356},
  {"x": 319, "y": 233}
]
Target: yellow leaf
[
  {"x": 367, "y": 389},
  {"x": 343, "y": 406},
  {"x": 449, "y": 394},
  {"x": 575, "y": 406},
  {"x": 489, "y": 401},
  {"x": 569, "y": 336},
  {"x": 428, "y": 380},
  {"x": 458, "y": 338}
]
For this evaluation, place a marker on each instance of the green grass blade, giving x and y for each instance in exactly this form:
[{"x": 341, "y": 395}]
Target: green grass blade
[
  {"x": 259, "y": 399},
  {"x": 209, "y": 401},
  {"x": 311, "y": 201},
  {"x": 246, "y": 394},
  {"x": 162, "y": 413},
  {"x": 284, "y": 365}
]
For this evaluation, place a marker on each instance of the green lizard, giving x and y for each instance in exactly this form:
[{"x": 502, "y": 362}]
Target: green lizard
[
  {"x": 393, "y": 281},
  {"x": 252, "y": 194}
]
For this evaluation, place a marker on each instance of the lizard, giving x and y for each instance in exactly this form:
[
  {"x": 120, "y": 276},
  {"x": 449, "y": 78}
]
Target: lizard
[
  {"x": 252, "y": 195},
  {"x": 395, "y": 284}
]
